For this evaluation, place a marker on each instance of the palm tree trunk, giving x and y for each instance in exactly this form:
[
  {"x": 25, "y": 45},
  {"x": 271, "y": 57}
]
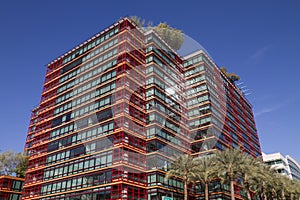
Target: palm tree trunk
[
  {"x": 206, "y": 191},
  {"x": 247, "y": 188},
  {"x": 248, "y": 194},
  {"x": 282, "y": 195},
  {"x": 232, "y": 189},
  {"x": 264, "y": 195},
  {"x": 274, "y": 194},
  {"x": 185, "y": 191}
]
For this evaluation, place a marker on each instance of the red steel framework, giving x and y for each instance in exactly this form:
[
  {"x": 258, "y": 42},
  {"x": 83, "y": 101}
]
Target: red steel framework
[
  {"x": 10, "y": 187},
  {"x": 136, "y": 157},
  {"x": 129, "y": 121}
]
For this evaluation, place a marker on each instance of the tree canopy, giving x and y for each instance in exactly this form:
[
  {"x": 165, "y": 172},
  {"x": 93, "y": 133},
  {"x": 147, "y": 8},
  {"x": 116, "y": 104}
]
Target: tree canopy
[
  {"x": 170, "y": 35},
  {"x": 22, "y": 166},
  {"x": 139, "y": 22},
  {"x": 183, "y": 167},
  {"x": 231, "y": 76},
  {"x": 13, "y": 163},
  {"x": 236, "y": 169}
]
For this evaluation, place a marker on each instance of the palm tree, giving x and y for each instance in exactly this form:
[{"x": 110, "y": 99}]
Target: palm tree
[
  {"x": 275, "y": 185},
  {"x": 261, "y": 183},
  {"x": 183, "y": 167},
  {"x": 205, "y": 172},
  {"x": 287, "y": 187},
  {"x": 249, "y": 171},
  {"x": 296, "y": 185},
  {"x": 279, "y": 186},
  {"x": 291, "y": 188},
  {"x": 229, "y": 164}
]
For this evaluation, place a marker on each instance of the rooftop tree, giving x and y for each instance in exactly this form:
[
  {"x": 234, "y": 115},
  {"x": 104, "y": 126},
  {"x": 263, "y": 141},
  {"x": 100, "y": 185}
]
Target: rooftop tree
[
  {"x": 231, "y": 76},
  {"x": 170, "y": 35}
]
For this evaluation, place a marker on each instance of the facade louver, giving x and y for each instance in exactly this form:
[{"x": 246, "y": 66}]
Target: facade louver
[{"x": 117, "y": 109}]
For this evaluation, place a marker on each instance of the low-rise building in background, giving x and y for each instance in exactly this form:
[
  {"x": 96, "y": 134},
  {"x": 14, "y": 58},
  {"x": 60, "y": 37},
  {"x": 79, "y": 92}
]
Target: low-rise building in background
[
  {"x": 11, "y": 187},
  {"x": 283, "y": 164}
]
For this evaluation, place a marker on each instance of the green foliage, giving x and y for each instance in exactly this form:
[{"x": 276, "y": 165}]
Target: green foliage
[
  {"x": 8, "y": 162},
  {"x": 232, "y": 165},
  {"x": 262, "y": 182},
  {"x": 249, "y": 170},
  {"x": 231, "y": 76},
  {"x": 12, "y": 162},
  {"x": 206, "y": 169},
  {"x": 171, "y": 36},
  {"x": 205, "y": 172},
  {"x": 22, "y": 166},
  {"x": 229, "y": 164},
  {"x": 183, "y": 167},
  {"x": 139, "y": 22}
]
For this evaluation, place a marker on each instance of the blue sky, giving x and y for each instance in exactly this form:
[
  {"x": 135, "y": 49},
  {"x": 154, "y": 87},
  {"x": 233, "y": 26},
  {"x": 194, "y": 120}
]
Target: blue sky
[{"x": 259, "y": 40}]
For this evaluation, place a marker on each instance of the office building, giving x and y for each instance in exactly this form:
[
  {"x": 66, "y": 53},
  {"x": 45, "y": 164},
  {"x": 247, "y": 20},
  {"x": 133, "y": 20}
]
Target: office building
[
  {"x": 116, "y": 109},
  {"x": 285, "y": 165}
]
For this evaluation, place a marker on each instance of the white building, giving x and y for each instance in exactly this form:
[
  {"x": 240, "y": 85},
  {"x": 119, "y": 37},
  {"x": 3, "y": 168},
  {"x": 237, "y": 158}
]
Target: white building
[{"x": 283, "y": 164}]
